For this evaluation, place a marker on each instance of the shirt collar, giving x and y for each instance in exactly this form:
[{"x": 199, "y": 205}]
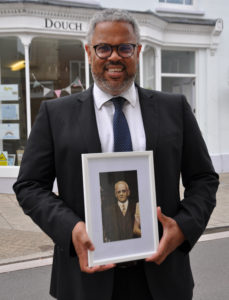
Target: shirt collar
[{"x": 100, "y": 97}]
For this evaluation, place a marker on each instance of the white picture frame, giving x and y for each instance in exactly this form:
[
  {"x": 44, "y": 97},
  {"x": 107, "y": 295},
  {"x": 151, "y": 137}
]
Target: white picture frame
[{"x": 138, "y": 169}]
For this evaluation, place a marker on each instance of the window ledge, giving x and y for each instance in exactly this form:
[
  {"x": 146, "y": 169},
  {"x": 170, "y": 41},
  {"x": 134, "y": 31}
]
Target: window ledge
[
  {"x": 9, "y": 171},
  {"x": 186, "y": 11}
]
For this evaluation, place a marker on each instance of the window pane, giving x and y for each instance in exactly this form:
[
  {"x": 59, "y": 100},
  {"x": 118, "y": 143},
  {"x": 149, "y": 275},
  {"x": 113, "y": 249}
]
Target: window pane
[
  {"x": 148, "y": 68},
  {"x": 13, "y": 131},
  {"x": 175, "y": 1},
  {"x": 185, "y": 86},
  {"x": 57, "y": 68},
  {"x": 186, "y": 2},
  {"x": 178, "y": 62}
]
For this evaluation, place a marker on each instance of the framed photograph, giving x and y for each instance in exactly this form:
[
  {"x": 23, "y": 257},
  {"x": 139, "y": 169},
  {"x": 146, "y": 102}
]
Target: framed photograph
[{"x": 120, "y": 206}]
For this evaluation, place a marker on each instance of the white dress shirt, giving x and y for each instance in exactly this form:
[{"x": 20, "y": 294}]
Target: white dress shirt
[
  {"x": 125, "y": 204},
  {"x": 104, "y": 111}
]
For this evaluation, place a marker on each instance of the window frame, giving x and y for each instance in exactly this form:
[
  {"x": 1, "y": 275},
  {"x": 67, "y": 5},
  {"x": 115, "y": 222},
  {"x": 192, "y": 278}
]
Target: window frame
[
  {"x": 179, "y": 8},
  {"x": 183, "y": 75}
]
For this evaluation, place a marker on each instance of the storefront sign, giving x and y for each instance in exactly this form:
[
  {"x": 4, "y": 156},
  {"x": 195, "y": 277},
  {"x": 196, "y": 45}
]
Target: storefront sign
[
  {"x": 63, "y": 25},
  {"x": 9, "y": 92}
]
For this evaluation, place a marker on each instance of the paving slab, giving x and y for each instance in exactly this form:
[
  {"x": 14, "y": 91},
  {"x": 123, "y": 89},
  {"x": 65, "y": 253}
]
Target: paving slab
[{"x": 22, "y": 240}]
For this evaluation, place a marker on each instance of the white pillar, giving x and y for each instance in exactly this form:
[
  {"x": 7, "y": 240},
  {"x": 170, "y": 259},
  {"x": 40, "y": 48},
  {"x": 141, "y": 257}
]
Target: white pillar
[
  {"x": 26, "y": 40},
  {"x": 141, "y": 77},
  {"x": 158, "y": 68},
  {"x": 87, "y": 69}
]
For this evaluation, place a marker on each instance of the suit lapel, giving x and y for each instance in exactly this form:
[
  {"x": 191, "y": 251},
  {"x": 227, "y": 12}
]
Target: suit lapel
[
  {"x": 149, "y": 109},
  {"x": 87, "y": 122}
]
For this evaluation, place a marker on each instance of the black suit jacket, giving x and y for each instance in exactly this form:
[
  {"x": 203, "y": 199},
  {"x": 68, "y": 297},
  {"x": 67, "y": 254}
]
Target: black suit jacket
[{"x": 67, "y": 127}]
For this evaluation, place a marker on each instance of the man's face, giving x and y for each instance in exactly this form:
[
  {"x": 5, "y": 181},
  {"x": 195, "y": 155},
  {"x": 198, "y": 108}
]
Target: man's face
[
  {"x": 121, "y": 192},
  {"x": 114, "y": 74}
]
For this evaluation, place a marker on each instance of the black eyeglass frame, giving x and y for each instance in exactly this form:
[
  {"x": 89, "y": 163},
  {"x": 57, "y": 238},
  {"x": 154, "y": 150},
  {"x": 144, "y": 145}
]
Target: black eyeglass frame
[{"x": 117, "y": 48}]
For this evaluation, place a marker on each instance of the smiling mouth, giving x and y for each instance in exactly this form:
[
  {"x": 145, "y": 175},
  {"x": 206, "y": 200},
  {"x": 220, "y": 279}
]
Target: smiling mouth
[
  {"x": 114, "y": 67},
  {"x": 115, "y": 70}
]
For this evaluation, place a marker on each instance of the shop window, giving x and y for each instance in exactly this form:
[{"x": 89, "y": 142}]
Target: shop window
[
  {"x": 178, "y": 73},
  {"x": 149, "y": 68},
  {"x": 57, "y": 68},
  {"x": 13, "y": 133}
]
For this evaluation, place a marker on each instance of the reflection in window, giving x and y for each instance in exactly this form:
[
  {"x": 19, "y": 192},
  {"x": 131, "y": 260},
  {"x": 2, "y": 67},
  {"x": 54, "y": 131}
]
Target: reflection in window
[
  {"x": 184, "y": 2},
  {"x": 13, "y": 131},
  {"x": 178, "y": 73},
  {"x": 149, "y": 68},
  {"x": 178, "y": 61},
  {"x": 57, "y": 68},
  {"x": 184, "y": 86}
]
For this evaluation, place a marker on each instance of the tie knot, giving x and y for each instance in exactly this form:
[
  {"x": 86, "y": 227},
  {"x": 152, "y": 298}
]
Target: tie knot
[{"x": 118, "y": 102}]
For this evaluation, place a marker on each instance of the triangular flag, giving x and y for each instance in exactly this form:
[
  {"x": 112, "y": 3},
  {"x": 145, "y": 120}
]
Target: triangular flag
[
  {"x": 80, "y": 83},
  {"x": 75, "y": 82},
  {"x": 58, "y": 92},
  {"x": 45, "y": 91},
  {"x": 36, "y": 84},
  {"x": 68, "y": 89}
]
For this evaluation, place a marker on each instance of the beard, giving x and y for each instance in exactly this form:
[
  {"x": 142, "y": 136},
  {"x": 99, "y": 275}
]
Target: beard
[{"x": 110, "y": 87}]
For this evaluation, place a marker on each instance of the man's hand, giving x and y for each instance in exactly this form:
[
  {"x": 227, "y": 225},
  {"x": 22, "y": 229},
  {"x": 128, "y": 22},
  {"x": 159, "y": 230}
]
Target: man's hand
[
  {"x": 82, "y": 244},
  {"x": 172, "y": 238}
]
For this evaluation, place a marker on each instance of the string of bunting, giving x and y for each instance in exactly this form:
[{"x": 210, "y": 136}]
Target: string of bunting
[{"x": 46, "y": 90}]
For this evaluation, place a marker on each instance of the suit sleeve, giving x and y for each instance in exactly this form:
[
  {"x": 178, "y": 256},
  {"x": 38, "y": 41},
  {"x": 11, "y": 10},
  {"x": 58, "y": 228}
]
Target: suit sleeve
[
  {"x": 34, "y": 185},
  {"x": 199, "y": 179}
]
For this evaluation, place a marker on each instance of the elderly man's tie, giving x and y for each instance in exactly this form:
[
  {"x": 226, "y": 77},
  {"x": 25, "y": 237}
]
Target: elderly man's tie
[{"x": 122, "y": 138}]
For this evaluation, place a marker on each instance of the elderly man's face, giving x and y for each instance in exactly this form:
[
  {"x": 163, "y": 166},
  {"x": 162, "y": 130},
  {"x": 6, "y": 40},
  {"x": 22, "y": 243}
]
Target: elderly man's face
[
  {"x": 114, "y": 74},
  {"x": 121, "y": 192}
]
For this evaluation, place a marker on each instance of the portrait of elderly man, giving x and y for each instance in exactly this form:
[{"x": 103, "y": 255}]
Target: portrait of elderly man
[
  {"x": 115, "y": 114},
  {"x": 119, "y": 217}
]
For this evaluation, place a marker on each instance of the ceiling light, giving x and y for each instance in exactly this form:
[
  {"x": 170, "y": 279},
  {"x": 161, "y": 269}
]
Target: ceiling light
[{"x": 18, "y": 65}]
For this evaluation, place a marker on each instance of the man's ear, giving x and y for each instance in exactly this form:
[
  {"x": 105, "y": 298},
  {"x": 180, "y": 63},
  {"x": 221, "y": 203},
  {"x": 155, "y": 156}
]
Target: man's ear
[
  {"x": 139, "y": 48},
  {"x": 88, "y": 50}
]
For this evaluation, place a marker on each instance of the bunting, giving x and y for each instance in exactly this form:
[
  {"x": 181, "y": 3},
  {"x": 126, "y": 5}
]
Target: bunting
[
  {"x": 76, "y": 82},
  {"x": 58, "y": 92},
  {"x": 46, "y": 91}
]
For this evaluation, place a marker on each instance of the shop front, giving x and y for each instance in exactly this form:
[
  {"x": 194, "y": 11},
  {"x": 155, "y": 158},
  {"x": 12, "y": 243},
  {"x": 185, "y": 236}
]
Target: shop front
[{"x": 42, "y": 57}]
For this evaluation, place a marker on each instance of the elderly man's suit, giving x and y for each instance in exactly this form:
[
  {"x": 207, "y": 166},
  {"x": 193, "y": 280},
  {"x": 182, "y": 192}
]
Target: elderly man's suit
[
  {"x": 63, "y": 130},
  {"x": 117, "y": 226}
]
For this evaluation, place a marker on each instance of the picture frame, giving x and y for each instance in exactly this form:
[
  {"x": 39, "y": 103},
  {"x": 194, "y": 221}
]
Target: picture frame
[{"x": 104, "y": 176}]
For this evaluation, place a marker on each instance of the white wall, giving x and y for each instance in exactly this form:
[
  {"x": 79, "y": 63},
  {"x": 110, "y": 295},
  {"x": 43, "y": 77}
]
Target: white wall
[
  {"x": 220, "y": 9},
  {"x": 128, "y": 4}
]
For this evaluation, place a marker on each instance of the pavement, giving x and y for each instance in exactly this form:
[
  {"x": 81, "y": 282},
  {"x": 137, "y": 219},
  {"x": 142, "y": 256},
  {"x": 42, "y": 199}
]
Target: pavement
[{"x": 21, "y": 240}]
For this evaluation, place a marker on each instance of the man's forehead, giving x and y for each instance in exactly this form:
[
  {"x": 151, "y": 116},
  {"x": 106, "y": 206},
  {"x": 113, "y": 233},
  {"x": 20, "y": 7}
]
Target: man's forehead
[
  {"x": 120, "y": 185},
  {"x": 109, "y": 31}
]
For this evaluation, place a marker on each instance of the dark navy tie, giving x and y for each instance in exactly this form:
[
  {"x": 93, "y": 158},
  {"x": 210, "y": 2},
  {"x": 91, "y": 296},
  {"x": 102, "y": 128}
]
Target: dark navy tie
[{"x": 122, "y": 138}]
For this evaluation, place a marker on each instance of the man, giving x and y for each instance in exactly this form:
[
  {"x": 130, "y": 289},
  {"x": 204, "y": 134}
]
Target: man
[
  {"x": 119, "y": 217},
  {"x": 82, "y": 123}
]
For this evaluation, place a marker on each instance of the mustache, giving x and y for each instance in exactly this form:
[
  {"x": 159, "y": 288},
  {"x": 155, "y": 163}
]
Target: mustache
[{"x": 114, "y": 63}]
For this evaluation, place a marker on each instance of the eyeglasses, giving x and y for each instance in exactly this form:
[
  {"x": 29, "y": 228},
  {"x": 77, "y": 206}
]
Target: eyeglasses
[{"x": 104, "y": 51}]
